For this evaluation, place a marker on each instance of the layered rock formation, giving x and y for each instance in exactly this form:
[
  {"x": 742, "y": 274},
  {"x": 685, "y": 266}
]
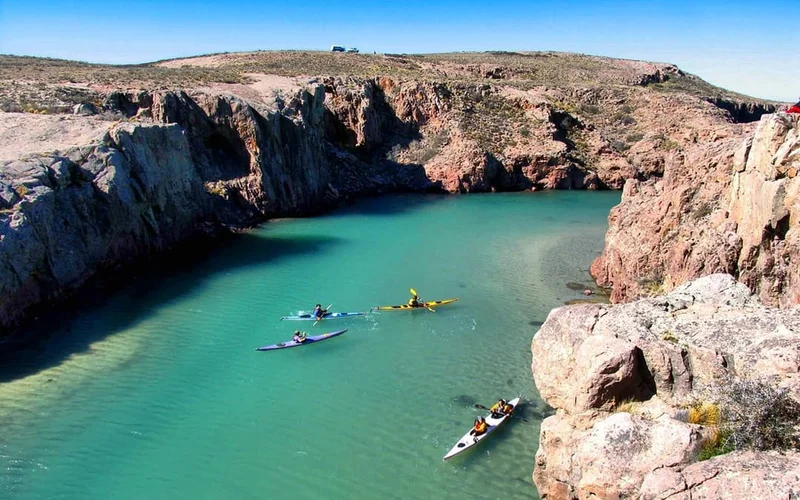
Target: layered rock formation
[
  {"x": 731, "y": 206},
  {"x": 183, "y": 163},
  {"x": 147, "y": 186},
  {"x": 592, "y": 360}
]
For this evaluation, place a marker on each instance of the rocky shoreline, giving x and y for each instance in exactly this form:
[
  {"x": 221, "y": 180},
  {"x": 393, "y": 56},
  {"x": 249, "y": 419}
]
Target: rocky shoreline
[
  {"x": 167, "y": 165},
  {"x": 621, "y": 378},
  {"x": 705, "y": 190}
]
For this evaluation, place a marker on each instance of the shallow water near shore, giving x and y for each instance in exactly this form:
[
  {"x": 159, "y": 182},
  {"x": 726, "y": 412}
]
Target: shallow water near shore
[{"x": 158, "y": 392}]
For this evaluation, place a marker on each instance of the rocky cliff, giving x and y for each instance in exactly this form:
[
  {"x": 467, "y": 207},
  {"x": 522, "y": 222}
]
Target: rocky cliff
[
  {"x": 622, "y": 376},
  {"x": 731, "y": 207},
  {"x": 165, "y": 165}
]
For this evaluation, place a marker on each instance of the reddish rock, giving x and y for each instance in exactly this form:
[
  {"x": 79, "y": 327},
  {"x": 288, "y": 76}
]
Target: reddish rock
[{"x": 727, "y": 207}]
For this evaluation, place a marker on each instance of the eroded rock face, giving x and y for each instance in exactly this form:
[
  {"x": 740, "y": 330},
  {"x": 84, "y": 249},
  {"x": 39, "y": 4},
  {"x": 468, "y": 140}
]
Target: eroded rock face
[
  {"x": 305, "y": 147},
  {"x": 731, "y": 207},
  {"x": 199, "y": 164},
  {"x": 587, "y": 359},
  {"x": 767, "y": 475}
]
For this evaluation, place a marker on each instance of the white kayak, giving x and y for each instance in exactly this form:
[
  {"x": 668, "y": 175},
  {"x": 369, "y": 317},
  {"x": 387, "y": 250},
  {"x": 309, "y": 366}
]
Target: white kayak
[{"x": 469, "y": 441}]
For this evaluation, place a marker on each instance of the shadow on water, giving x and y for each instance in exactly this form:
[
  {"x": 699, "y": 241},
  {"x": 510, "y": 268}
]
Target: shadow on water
[
  {"x": 465, "y": 400},
  {"x": 393, "y": 205},
  {"x": 63, "y": 332}
]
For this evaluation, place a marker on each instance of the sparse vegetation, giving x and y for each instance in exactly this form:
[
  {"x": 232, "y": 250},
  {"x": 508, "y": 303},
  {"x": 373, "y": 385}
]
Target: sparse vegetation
[
  {"x": 624, "y": 119},
  {"x": 66, "y": 83},
  {"x": 628, "y": 406},
  {"x": 565, "y": 106},
  {"x": 619, "y": 146},
  {"x": 669, "y": 337},
  {"x": 758, "y": 415},
  {"x": 746, "y": 414},
  {"x": 216, "y": 189},
  {"x": 716, "y": 445},
  {"x": 420, "y": 152},
  {"x": 489, "y": 119},
  {"x": 635, "y": 137},
  {"x": 665, "y": 143},
  {"x": 652, "y": 285},
  {"x": 704, "y": 413},
  {"x": 703, "y": 210}
]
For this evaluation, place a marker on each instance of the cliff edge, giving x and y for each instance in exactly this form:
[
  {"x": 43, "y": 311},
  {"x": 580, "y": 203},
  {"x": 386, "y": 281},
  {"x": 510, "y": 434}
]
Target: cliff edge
[
  {"x": 730, "y": 208},
  {"x": 102, "y": 166}
]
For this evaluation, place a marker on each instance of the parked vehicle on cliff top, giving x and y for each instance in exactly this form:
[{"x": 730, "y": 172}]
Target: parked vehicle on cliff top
[
  {"x": 352, "y": 50},
  {"x": 337, "y": 48}
]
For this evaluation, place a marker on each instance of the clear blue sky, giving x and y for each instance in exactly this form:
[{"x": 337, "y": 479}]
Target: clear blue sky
[{"x": 747, "y": 46}]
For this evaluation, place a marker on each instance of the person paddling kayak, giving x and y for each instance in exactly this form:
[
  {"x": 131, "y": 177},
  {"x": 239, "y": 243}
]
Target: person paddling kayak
[
  {"x": 479, "y": 427},
  {"x": 501, "y": 408},
  {"x": 299, "y": 337},
  {"x": 319, "y": 312},
  {"x": 415, "y": 301}
]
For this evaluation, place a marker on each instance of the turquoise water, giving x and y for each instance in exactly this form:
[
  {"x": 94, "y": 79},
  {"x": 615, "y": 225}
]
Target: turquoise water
[{"x": 157, "y": 392}]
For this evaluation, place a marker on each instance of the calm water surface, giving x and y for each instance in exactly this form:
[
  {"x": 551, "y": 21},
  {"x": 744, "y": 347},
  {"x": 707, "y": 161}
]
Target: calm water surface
[{"x": 158, "y": 393}]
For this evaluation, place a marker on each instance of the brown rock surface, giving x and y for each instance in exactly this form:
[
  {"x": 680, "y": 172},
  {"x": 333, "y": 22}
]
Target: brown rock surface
[
  {"x": 764, "y": 475},
  {"x": 722, "y": 207},
  {"x": 683, "y": 341}
]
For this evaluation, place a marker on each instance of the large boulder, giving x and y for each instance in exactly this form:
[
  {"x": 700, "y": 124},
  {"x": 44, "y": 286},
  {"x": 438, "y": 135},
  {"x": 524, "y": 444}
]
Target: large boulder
[
  {"x": 666, "y": 352},
  {"x": 595, "y": 356},
  {"x": 610, "y": 457}
]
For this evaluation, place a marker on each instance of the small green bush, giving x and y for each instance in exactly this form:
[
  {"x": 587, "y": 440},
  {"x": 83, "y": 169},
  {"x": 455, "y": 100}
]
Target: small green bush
[
  {"x": 628, "y": 406},
  {"x": 669, "y": 337},
  {"x": 589, "y": 109},
  {"x": 717, "y": 445},
  {"x": 636, "y": 137},
  {"x": 620, "y": 146}
]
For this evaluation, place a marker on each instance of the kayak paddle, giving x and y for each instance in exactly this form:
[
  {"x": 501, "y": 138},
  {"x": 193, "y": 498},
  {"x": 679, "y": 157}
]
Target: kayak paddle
[
  {"x": 324, "y": 311},
  {"x": 415, "y": 294}
]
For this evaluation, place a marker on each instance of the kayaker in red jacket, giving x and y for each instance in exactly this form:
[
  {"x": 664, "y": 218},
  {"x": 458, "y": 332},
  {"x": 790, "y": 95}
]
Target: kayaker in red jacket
[{"x": 479, "y": 427}]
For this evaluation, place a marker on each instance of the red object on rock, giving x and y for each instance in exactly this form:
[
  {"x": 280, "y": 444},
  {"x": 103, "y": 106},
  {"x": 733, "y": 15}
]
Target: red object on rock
[{"x": 794, "y": 109}]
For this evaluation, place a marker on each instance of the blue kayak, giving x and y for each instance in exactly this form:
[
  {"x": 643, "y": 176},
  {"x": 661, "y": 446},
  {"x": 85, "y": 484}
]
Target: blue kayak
[
  {"x": 310, "y": 317},
  {"x": 309, "y": 340}
]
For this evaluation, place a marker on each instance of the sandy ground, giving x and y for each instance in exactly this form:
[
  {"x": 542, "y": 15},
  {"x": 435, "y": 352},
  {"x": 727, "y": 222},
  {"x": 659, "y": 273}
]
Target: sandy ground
[
  {"x": 24, "y": 133},
  {"x": 264, "y": 88},
  {"x": 210, "y": 61}
]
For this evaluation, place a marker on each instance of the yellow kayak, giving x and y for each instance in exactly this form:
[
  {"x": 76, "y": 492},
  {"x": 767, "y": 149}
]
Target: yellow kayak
[{"x": 406, "y": 307}]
